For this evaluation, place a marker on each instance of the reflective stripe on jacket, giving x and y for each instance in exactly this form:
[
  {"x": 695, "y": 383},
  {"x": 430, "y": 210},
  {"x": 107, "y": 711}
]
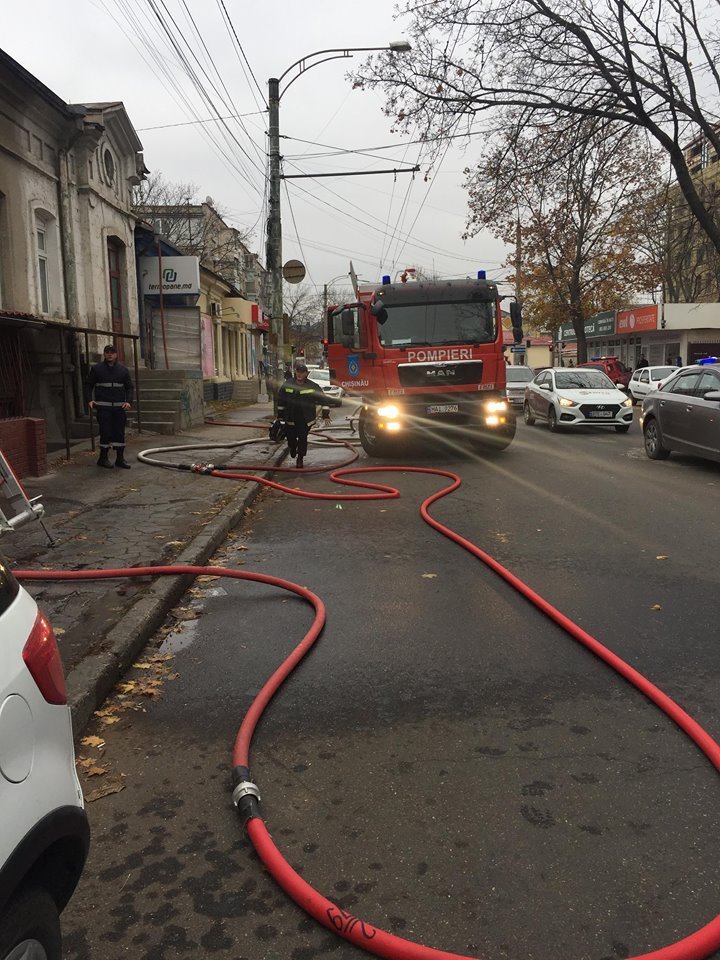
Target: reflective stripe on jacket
[
  {"x": 297, "y": 401},
  {"x": 109, "y": 385}
]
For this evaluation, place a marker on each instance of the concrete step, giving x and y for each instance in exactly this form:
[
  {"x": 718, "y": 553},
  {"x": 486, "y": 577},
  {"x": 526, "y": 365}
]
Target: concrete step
[
  {"x": 160, "y": 393},
  {"x": 157, "y": 426},
  {"x": 146, "y": 374},
  {"x": 164, "y": 383}
]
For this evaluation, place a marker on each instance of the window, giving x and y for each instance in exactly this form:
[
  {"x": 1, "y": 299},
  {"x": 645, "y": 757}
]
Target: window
[
  {"x": 708, "y": 381},
  {"x": 42, "y": 251},
  {"x": 684, "y": 384}
]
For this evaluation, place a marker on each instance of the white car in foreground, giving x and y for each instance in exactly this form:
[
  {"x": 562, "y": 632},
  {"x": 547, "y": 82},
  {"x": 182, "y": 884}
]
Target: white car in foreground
[
  {"x": 571, "y": 396},
  {"x": 645, "y": 379},
  {"x": 45, "y": 836}
]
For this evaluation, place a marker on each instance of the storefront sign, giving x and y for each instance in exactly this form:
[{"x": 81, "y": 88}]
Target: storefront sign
[
  {"x": 179, "y": 275},
  {"x": 640, "y": 318},
  {"x": 601, "y": 325}
]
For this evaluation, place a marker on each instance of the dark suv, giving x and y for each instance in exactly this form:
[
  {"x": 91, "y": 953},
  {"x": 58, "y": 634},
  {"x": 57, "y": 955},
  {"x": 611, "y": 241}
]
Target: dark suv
[{"x": 612, "y": 367}]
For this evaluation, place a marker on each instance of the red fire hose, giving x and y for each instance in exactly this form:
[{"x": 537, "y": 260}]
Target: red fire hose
[{"x": 696, "y": 946}]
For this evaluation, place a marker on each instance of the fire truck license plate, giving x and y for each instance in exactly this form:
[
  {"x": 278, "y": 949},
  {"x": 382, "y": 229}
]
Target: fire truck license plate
[{"x": 443, "y": 408}]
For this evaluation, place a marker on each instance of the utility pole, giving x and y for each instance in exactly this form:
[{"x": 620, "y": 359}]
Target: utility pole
[{"x": 273, "y": 255}]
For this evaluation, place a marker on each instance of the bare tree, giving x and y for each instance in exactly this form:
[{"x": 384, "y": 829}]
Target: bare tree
[
  {"x": 196, "y": 227},
  {"x": 650, "y": 64},
  {"x": 303, "y": 308}
]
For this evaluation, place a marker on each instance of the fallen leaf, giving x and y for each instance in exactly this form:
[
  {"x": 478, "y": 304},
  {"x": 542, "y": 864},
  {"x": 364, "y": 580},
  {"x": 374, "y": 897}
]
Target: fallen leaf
[
  {"x": 96, "y": 771},
  {"x": 175, "y": 543},
  {"x": 92, "y": 741},
  {"x": 660, "y": 557},
  {"x": 109, "y": 720},
  {"x": 58, "y": 631},
  {"x": 126, "y": 687},
  {"x": 105, "y": 791},
  {"x": 656, "y": 606},
  {"x": 184, "y": 613},
  {"x": 429, "y": 576},
  {"x": 142, "y": 665}
]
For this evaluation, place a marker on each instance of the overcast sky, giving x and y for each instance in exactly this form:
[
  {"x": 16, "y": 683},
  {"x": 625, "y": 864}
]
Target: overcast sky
[{"x": 89, "y": 50}]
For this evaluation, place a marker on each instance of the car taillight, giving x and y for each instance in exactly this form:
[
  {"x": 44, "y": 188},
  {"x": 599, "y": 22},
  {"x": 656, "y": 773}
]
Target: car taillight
[{"x": 42, "y": 658}]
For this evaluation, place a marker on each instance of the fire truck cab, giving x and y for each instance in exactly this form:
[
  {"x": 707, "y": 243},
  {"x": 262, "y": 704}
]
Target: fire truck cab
[{"x": 424, "y": 358}]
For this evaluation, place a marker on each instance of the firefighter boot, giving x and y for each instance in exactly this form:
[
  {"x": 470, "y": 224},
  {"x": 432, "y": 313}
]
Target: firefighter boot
[
  {"x": 120, "y": 461},
  {"x": 104, "y": 460},
  {"x": 299, "y": 463}
]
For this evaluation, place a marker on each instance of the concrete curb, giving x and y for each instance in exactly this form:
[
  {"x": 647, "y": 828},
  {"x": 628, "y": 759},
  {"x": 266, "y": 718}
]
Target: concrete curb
[{"x": 90, "y": 682}]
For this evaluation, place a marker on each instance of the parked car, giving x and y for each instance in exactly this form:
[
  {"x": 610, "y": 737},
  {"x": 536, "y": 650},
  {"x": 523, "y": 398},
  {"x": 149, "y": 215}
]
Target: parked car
[
  {"x": 684, "y": 414},
  {"x": 45, "y": 836},
  {"x": 322, "y": 379},
  {"x": 572, "y": 396},
  {"x": 613, "y": 368},
  {"x": 516, "y": 379},
  {"x": 645, "y": 379}
]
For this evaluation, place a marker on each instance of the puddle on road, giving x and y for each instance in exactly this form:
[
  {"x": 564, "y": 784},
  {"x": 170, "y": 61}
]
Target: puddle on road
[
  {"x": 179, "y": 639},
  {"x": 186, "y": 633}
]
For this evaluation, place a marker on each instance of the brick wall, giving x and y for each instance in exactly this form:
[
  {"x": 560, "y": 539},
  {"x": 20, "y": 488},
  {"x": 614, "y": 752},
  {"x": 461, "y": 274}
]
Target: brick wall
[{"x": 22, "y": 441}]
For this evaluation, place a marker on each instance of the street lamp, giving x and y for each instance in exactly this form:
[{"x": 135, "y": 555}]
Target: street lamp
[{"x": 273, "y": 256}]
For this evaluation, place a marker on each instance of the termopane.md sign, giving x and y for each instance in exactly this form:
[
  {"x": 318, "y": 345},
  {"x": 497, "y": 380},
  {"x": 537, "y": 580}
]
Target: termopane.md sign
[{"x": 176, "y": 274}]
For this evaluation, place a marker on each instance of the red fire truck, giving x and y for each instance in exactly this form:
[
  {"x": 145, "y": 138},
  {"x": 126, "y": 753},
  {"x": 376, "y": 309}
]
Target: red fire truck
[{"x": 424, "y": 358}]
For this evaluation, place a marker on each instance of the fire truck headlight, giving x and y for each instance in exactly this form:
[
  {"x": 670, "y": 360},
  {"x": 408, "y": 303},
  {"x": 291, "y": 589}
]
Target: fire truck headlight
[
  {"x": 496, "y": 406},
  {"x": 390, "y": 412}
]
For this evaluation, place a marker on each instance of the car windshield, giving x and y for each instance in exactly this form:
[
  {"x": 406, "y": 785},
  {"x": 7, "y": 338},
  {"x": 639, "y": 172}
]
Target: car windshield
[
  {"x": 518, "y": 374},
  {"x": 659, "y": 373},
  {"x": 433, "y": 324},
  {"x": 320, "y": 376},
  {"x": 583, "y": 380}
]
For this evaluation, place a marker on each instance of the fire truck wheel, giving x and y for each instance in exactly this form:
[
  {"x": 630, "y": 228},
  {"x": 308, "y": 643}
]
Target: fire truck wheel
[{"x": 372, "y": 442}]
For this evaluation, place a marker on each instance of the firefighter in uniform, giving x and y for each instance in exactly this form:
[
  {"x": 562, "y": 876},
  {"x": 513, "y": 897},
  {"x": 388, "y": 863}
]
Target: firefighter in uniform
[
  {"x": 297, "y": 399},
  {"x": 109, "y": 392}
]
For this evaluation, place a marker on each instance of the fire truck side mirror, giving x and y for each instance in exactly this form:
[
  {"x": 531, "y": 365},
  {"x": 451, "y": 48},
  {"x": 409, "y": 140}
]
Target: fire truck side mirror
[
  {"x": 379, "y": 312},
  {"x": 516, "y": 321},
  {"x": 347, "y": 319}
]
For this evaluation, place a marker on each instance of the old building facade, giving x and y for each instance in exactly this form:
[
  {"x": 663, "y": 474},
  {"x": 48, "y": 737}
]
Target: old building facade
[{"x": 66, "y": 245}]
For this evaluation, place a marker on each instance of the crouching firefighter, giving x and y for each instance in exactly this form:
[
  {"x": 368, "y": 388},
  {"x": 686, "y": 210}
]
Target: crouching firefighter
[
  {"x": 109, "y": 392},
  {"x": 297, "y": 399}
]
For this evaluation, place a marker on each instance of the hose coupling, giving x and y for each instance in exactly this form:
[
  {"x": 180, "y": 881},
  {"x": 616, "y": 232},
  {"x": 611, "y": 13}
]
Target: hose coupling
[
  {"x": 202, "y": 467},
  {"x": 246, "y": 800}
]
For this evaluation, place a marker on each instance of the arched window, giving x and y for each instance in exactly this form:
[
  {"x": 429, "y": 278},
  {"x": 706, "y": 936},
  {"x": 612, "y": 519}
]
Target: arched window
[{"x": 47, "y": 260}]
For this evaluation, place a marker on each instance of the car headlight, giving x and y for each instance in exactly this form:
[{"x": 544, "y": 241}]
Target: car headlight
[
  {"x": 390, "y": 412},
  {"x": 564, "y": 402},
  {"x": 496, "y": 406},
  {"x": 628, "y": 402}
]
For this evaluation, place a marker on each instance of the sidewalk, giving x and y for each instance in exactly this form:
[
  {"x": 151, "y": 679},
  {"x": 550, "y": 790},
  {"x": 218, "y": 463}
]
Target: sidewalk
[{"x": 121, "y": 518}]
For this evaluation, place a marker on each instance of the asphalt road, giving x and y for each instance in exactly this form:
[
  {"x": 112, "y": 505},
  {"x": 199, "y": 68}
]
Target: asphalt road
[{"x": 447, "y": 764}]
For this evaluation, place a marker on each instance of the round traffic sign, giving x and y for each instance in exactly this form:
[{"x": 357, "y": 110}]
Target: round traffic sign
[{"x": 294, "y": 271}]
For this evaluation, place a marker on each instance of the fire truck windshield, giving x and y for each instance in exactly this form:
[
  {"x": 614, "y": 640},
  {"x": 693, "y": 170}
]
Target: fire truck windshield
[{"x": 432, "y": 324}]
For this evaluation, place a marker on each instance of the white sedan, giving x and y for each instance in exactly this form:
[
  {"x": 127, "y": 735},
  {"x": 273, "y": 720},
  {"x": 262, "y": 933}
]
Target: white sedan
[
  {"x": 645, "y": 379},
  {"x": 322, "y": 379},
  {"x": 569, "y": 396}
]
